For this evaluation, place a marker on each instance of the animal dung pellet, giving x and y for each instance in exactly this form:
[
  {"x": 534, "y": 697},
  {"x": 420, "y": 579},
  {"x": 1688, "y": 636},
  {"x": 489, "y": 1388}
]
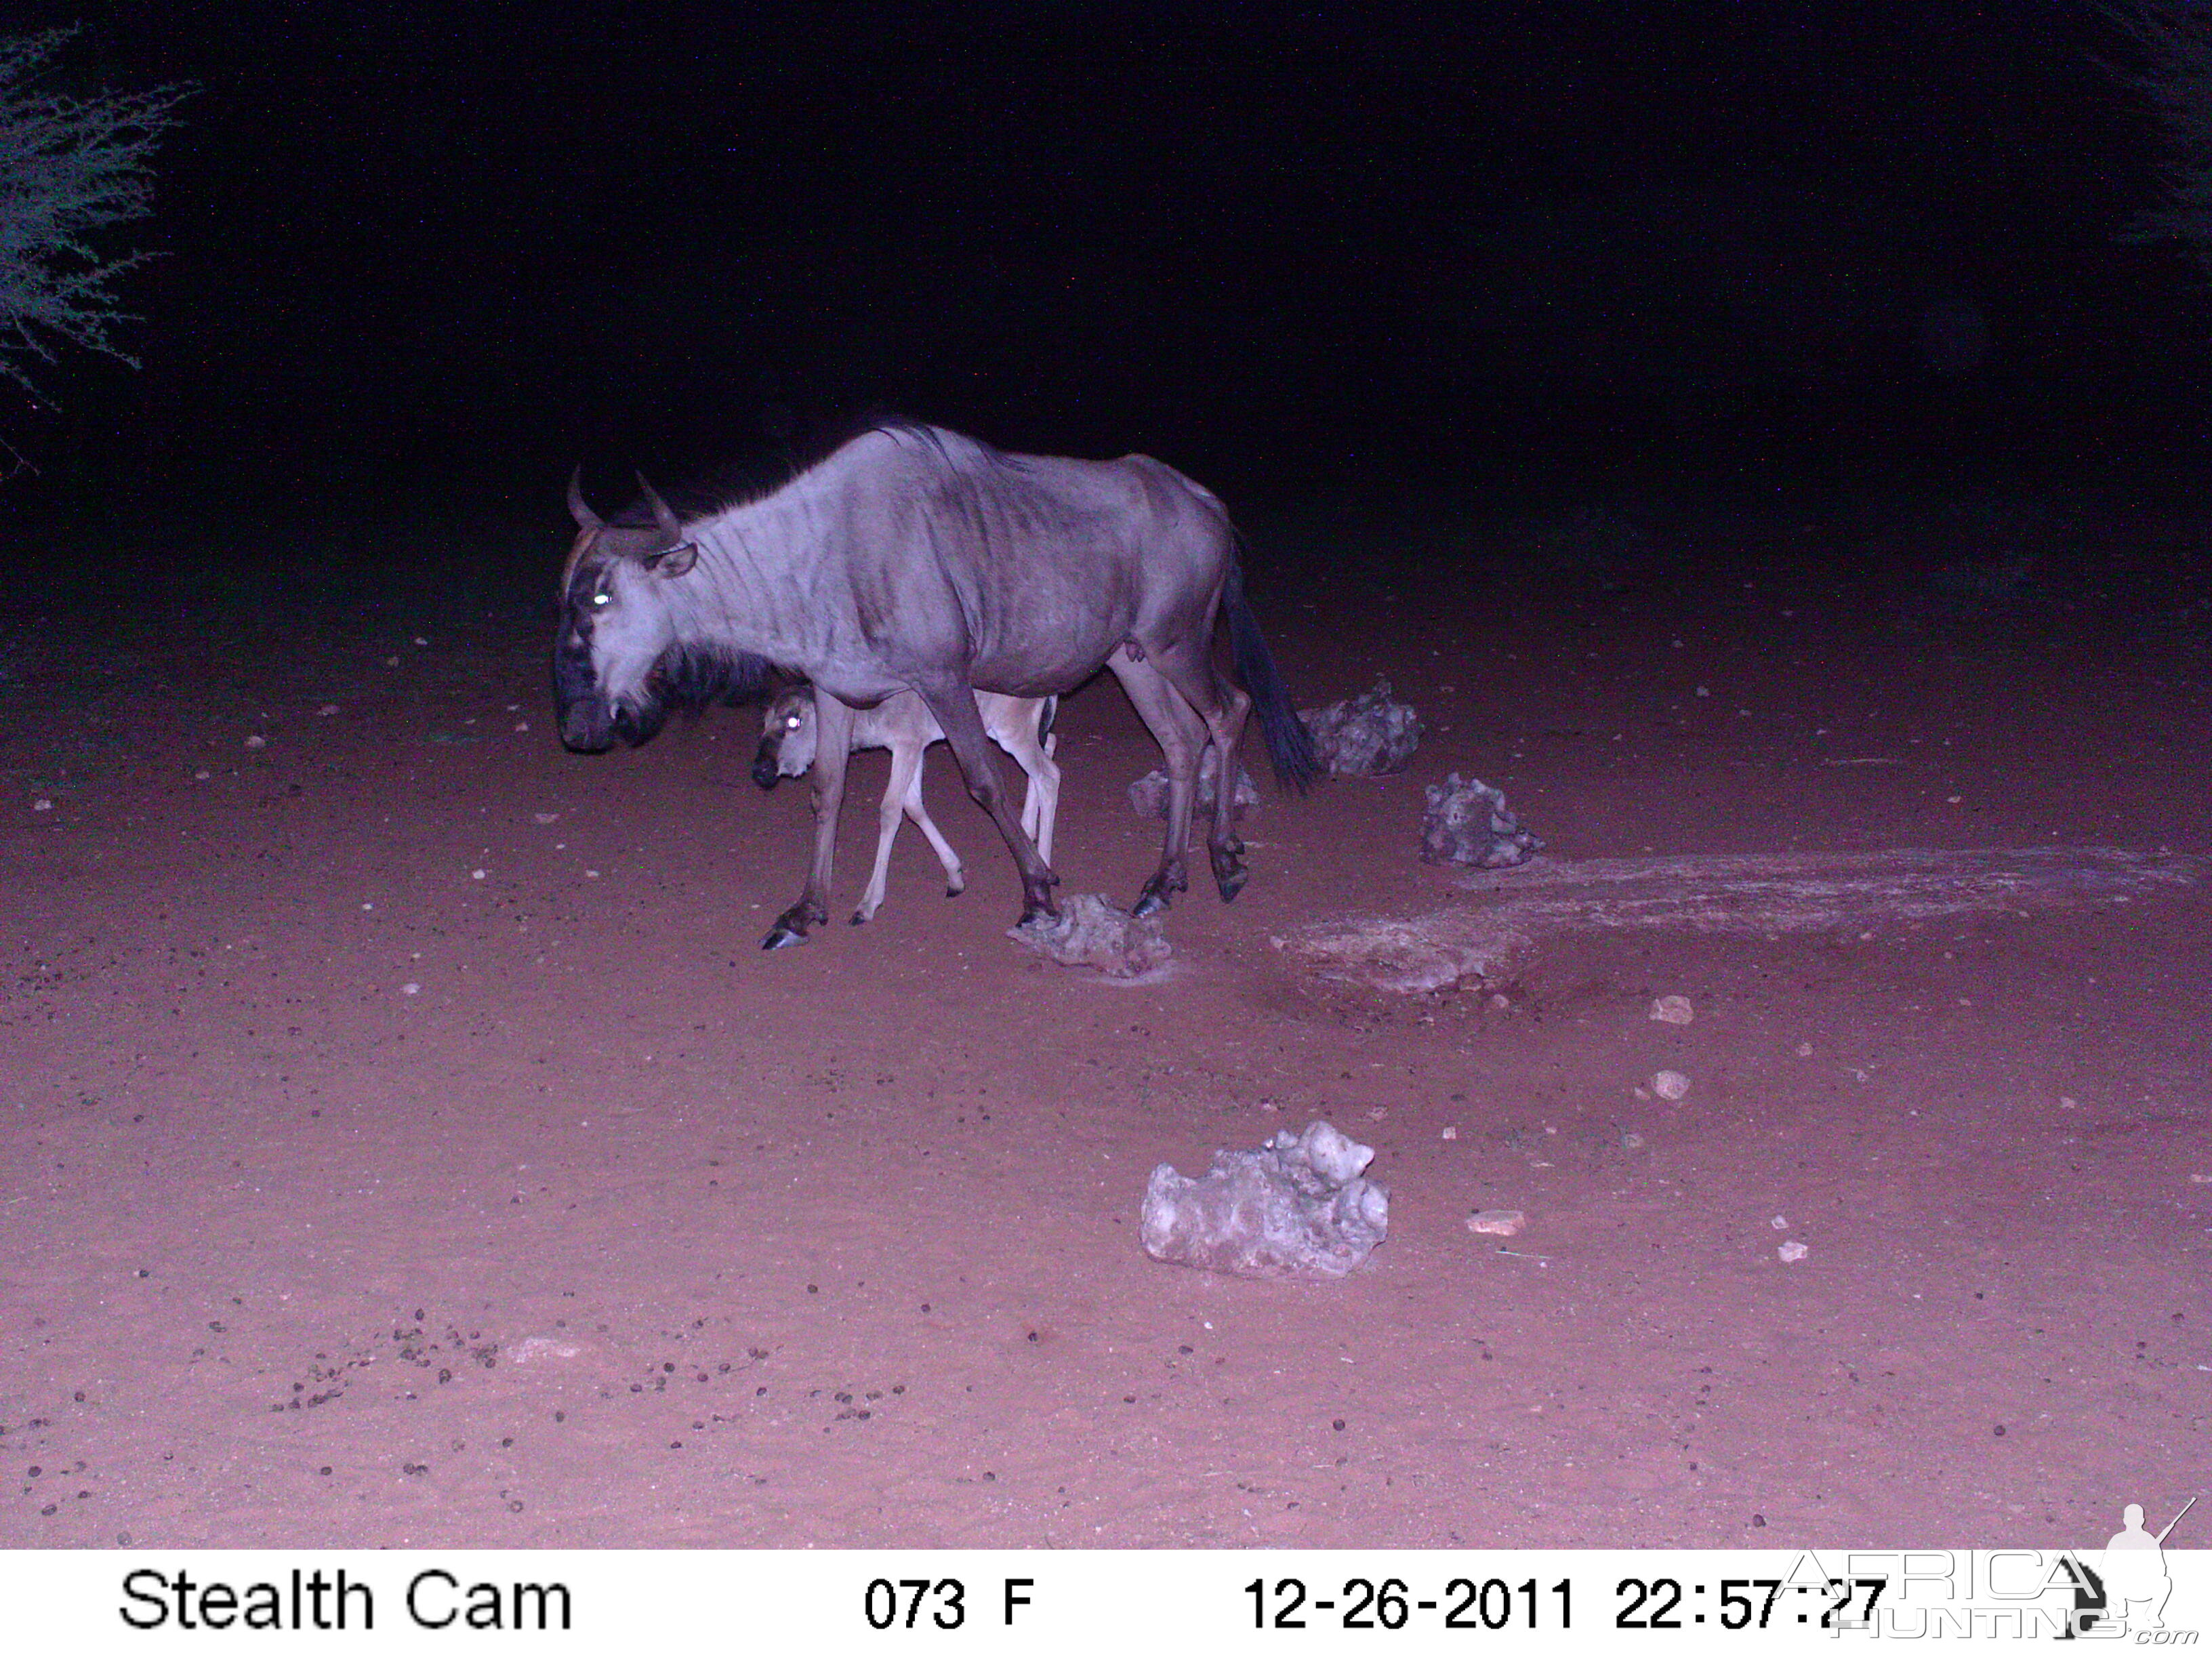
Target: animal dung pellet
[
  {"x": 1670, "y": 1085},
  {"x": 1498, "y": 1224},
  {"x": 1299, "y": 1207},
  {"x": 1791, "y": 1250},
  {"x": 1148, "y": 795},
  {"x": 1364, "y": 735},
  {"x": 1090, "y": 932},
  {"x": 1469, "y": 822},
  {"x": 1673, "y": 1010}
]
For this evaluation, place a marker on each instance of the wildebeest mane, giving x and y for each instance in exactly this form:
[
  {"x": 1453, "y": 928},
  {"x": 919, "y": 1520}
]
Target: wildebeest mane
[
  {"x": 744, "y": 480},
  {"x": 691, "y": 679}
]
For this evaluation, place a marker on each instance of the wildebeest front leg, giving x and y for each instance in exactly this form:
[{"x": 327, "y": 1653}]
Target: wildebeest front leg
[
  {"x": 954, "y": 705},
  {"x": 833, "y": 744}
]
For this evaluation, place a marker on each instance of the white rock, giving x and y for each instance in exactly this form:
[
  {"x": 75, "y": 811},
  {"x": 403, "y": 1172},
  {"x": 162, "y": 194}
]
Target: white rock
[
  {"x": 1499, "y": 1224},
  {"x": 256, "y": 741},
  {"x": 1670, "y": 1085},
  {"x": 1673, "y": 1010},
  {"x": 42, "y": 804},
  {"x": 1791, "y": 1250},
  {"x": 1299, "y": 1207},
  {"x": 534, "y": 1348}
]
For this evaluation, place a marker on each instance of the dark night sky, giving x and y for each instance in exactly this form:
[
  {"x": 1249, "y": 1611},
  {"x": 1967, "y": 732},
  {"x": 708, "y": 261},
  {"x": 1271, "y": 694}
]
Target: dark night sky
[{"x": 403, "y": 249}]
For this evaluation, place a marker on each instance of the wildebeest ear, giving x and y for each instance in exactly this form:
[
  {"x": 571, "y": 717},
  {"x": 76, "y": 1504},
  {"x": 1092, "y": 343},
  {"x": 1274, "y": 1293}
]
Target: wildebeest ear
[
  {"x": 585, "y": 518},
  {"x": 676, "y": 561}
]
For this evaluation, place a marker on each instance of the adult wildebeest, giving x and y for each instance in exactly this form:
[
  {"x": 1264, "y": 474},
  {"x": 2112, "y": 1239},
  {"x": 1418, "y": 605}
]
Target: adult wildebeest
[
  {"x": 913, "y": 558},
  {"x": 903, "y": 724}
]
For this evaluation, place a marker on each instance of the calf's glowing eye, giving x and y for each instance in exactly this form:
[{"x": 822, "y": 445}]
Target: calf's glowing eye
[
  {"x": 601, "y": 599},
  {"x": 791, "y": 724}
]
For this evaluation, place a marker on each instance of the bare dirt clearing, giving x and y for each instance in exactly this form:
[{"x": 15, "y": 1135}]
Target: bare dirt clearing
[{"x": 410, "y": 1144}]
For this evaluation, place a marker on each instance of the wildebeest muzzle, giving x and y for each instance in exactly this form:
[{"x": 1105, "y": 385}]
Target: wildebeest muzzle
[{"x": 768, "y": 762}]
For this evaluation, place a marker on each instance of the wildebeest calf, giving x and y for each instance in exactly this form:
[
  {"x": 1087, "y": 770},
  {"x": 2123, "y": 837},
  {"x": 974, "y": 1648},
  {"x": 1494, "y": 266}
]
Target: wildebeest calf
[{"x": 903, "y": 724}]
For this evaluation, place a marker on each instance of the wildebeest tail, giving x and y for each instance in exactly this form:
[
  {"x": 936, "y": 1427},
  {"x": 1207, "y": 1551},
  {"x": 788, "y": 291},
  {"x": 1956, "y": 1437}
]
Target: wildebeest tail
[{"x": 1290, "y": 745}]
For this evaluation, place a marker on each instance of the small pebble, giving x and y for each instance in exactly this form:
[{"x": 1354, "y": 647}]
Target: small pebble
[
  {"x": 1780, "y": 1224},
  {"x": 1792, "y": 1250},
  {"x": 1670, "y": 1085},
  {"x": 256, "y": 741},
  {"x": 42, "y": 804},
  {"x": 1804, "y": 1051},
  {"x": 1673, "y": 1010},
  {"x": 1501, "y": 1224},
  {"x": 1451, "y": 1133},
  {"x": 411, "y": 989},
  {"x": 328, "y": 708}
]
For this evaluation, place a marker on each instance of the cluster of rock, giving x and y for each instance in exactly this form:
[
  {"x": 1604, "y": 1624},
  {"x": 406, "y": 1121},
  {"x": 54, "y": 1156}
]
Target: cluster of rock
[
  {"x": 1092, "y": 932},
  {"x": 1364, "y": 736},
  {"x": 1297, "y": 1207},
  {"x": 1148, "y": 795},
  {"x": 1468, "y": 822}
]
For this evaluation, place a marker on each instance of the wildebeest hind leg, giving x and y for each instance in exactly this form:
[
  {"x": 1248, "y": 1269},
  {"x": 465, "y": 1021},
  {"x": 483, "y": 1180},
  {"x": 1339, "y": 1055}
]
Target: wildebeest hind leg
[
  {"x": 1181, "y": 736},
  {"x": 1223, "y": 707},
  {"x": 954, "y": 705}
]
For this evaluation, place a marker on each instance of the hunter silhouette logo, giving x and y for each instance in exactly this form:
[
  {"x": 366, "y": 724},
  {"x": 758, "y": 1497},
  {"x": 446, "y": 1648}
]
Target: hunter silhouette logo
[{"x": 2133, "y": 1576}]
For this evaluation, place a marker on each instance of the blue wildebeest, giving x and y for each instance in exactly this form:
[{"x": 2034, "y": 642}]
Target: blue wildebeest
[
  {"x": 914, "y": 559},
  {"x": 1020, "y": 725}
]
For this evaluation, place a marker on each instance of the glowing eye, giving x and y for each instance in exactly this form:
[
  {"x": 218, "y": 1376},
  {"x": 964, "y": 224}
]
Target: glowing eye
[
  {"x": 601, "y": 599},
  {"x": 791, "y": 724}
]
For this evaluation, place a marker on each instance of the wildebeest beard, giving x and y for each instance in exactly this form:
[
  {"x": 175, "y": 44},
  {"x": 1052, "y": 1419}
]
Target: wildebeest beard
[{"x": 684, "y": 681}]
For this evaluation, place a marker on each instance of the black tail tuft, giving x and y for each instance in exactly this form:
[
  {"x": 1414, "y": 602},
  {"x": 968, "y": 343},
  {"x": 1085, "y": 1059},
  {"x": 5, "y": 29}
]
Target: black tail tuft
[{"x": 1290, "y": 745}]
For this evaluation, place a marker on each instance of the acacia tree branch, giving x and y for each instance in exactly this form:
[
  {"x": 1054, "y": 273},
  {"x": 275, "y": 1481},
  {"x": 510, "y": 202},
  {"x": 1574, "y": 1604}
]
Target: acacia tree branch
[{"x": 69, "y": 168}]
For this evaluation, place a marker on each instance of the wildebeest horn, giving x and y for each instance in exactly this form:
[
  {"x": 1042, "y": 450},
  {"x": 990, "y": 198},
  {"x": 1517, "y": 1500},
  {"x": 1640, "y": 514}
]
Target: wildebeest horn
[
  {"x": 585, "y": 518},
  {"x": 662, "y": 515}
]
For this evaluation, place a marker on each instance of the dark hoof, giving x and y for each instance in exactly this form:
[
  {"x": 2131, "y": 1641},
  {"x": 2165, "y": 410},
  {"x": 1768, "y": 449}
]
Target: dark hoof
[
  {"x": 1231, "y": 880},
  {"x": 783, "y": 933},
  {"x": 1034, "y": 911},
  {"x": 1150, "y": 903},
  {"x": 858, "y": 919}
]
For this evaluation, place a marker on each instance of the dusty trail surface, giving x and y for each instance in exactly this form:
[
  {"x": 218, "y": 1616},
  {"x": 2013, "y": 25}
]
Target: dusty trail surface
[{"x": 409, "y": 1145}]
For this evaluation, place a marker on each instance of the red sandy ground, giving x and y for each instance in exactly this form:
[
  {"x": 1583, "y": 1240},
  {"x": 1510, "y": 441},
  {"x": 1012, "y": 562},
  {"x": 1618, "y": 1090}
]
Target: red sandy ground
[{"x": 621, "y": 1232}]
